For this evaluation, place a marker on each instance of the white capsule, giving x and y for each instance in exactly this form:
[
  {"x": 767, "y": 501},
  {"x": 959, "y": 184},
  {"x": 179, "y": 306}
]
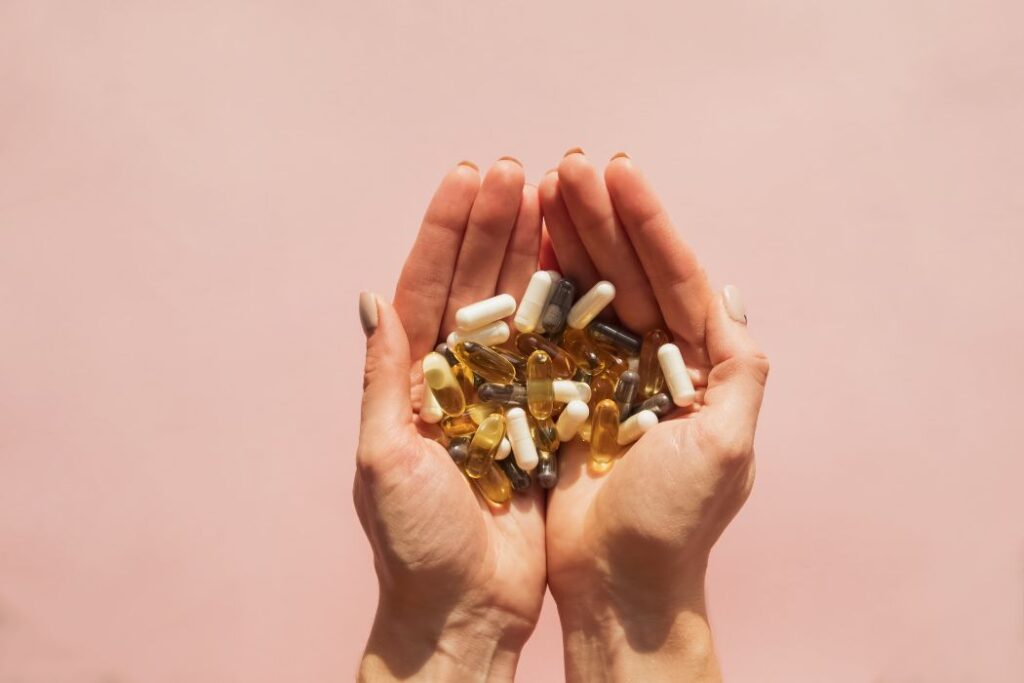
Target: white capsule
[
  {"x": 534, "y": 298},
  {"x": 636, "y": 426},
  {"x": 590, "y": 304},
  {"x": 430, "y": 411},
  {"x": 504, "y": 448},
  {"x": 572, "y": 418},
  {"x": 555, "y": 275},
  {"x": 484, "y": 312},
  {"x": 518, "y": 430},
  {"x": 567, "y": 390},
  {"x": 676, "y": 377},
  {"x": 491, "y": 335}
]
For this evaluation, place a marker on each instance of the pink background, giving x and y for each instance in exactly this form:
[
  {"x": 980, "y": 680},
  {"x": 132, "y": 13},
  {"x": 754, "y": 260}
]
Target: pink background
[{"x": 192, "y": 193}]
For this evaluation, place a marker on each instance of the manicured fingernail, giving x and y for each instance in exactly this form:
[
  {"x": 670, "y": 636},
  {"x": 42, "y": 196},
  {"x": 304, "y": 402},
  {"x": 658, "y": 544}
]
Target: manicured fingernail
[
  {"x": 733, "y": 301},
  {"x": 574, "y": 150},
  {"x": 470, "y": 164},
  {"x": 368, "y": 312},
  {"x": 619, "y": 155},
  {"x": 513, "y": 159}
]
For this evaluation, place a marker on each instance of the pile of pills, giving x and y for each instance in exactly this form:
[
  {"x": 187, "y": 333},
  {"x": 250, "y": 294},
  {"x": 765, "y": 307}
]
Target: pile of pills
[{"x": 506, "y": 402}]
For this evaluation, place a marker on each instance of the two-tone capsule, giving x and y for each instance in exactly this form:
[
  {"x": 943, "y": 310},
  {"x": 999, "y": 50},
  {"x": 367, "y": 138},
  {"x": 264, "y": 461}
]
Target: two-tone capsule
[
  {"x": 438, "y": 375},
  {"x": 511, "y": 394},
  {"x": 552, "y": 320}
]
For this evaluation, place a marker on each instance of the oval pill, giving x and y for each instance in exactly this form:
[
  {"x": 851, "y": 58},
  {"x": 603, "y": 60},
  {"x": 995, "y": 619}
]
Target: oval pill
[
  {"x": 547, "y": 470},
  {"x": 482, "y": 313},
  {"x": 590, "y": 304},
  {"x": 676, "y": 377},
  {"x": 568, "y": 390},
  {"x": 442, "y": 382},
  {"x": 571, "y": 419},
  {"x": 488, "y": 335},
  {"x": 523, "y": 448},
  {"x": 636, "y": 426},
  {"x": 532, "y": 304}
]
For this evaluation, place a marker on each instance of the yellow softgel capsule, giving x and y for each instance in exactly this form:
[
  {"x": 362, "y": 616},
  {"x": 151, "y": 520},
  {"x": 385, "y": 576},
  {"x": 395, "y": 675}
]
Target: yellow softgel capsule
[
  {"x": 494, "y": 485},
  {"x": 442, "y": 382},
  {"x": 604, "y": 435},
  {"x": 528, "y": 342},
  {"x": 479, "y": 412},
  {"x": 540, "y": 390},
  {"x": 613, "y": 365},
  {"x": 458, "y": 425},
  {"x": 582, "y": 351},
  {"x": 545, "y": 434},
  {"x": 484, "y": 445},
  {"x": 652, "y": 381},
  {"x": 486, "y": 362}
]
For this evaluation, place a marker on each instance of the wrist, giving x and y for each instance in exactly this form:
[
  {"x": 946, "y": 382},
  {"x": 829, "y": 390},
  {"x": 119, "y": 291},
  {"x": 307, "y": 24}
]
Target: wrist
[{"x": 455, "y": 642}]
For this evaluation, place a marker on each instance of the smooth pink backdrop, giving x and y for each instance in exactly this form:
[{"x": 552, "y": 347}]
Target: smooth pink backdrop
[{"x": 192, "y": 194}]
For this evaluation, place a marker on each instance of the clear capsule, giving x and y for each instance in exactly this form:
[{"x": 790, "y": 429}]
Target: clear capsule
[
  {"x": 544, "y": 434},
  {"x": 484, "y": 445},
  {"x": 562, "y": 362},
  {"x": 442, "y": 382},
  {"x": 510, "y": 394},
  {"x": 590, "y": 304},
  {"x": 458, "y": 425},
  {"x": 519, "y": 478},
  {"x": 552, "y": 320},
  {"x": 613, "y": 337},
  {"x": 625, "y": 391},
  {"x": 604, "y": 437},
  {"x": 540, "y": 393},
  {"x": 582, "y": 351},
  {"x": 485, "y": 362},
  {"x": 660, "y": 404},
  {"x": 494, "y": 486},
  {"x": 652, "y": 381},
  {"x": 478, "y": 412},
  {"x": 613, "y": 365},
  {"x": 466, "y": 379},
  {"x": 547, "y": 470},
  {"x": 458, "y": 449}
]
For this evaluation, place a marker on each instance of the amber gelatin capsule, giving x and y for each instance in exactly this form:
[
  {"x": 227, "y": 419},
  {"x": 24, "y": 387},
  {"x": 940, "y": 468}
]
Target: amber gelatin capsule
[
  {"x": 485, "y": 362},
  {"x": 494, "y": 485},
  {"x": 604, "y": 436},
  {"x": 652, "y": 381},
  {"x": 484, "y": 445},
  {"x": 528, "y": 342},
  {"x": 540, "y": 391},
  {"x": 458, "y": 425},
  {"x": 582, "y": 352}
]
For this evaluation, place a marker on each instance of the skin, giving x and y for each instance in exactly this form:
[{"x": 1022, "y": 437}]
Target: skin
[{"x": 623, "y": 551}]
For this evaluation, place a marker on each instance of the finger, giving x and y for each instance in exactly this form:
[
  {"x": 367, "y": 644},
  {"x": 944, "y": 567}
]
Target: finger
[
  {"x": 679, "y": 282},
  {"x": 523, "y": 252},
  {"x": 737, "y": 378},
  {"x": 483, "y": 246},
  {"x": 386, "y": 404},
  {"x": 426, "y": 278},
  {"x": 548, "y": 260},
  {"x": 593, "y": 214},
  {"x": 572, "y": 255}
]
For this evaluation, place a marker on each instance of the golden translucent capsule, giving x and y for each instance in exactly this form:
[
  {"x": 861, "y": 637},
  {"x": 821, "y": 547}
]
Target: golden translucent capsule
[
  {"x": 563, "y": 365},
  {"x": 479, "y": 412},
  {"x": 604, "y": 436},
  {"x": 582, "y": 351},
  {"x": 455, "y": 426},
  {"x": 652, "y": 381},
  {"x": 494, "y": 485},
  {"x": 442, "y": 382},
  {"x": 544, "y": 433},
  {"x": 540, "y": 390},
  {"x": 467, "y": 382},
  {"x": 613, "y": 365},
  {"x": 486, "y": 362},
  {"x": 601, "y": 387},
  {"x": 484, "y": 445},
  {"x": 517, "y": 360}
]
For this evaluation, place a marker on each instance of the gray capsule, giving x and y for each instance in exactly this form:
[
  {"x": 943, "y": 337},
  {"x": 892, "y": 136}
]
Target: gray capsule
[
  {"x": 547, "y": 470},
  {"x": 459, "y": 450},
  {"x": 490, "y": 392},
  {"x": 552, "y": 320},
  {"x": 625, "y": 392},
  {"x": 659, "y": 404},
  {"x": 443, "y": 349},
  {"x": 614, "y": 336},
  {"x": 518, "y": 477}
]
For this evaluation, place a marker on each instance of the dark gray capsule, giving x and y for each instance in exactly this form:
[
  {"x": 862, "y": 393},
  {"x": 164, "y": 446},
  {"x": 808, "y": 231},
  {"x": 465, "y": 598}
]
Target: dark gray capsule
[
  {"x": 514, "y": 394},
  {"x": 582, "y": 375},
  {"x": 659, "y": 404},
  {"x": 459, "y": 450},
  {"x": 625, "y": 392},
  {"x": 443, "y": 349},
  {"x": 518, "y": 477},
  {"x": 616, "y": 337},
  {"x": 547, "y": 470},
  {"x": 552, "y": 320}
]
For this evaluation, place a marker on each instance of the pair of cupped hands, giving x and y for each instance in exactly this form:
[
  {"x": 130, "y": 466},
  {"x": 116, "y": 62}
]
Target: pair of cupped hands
[{"x": 624, "y": 552}]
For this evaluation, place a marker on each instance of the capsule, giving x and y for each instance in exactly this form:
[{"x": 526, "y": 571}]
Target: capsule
[
  {"x": 467, "y": 380},
  {"x": 478, "y": 412},
  {"x": 504, "y": 448},
  {"x": 569, "y": 390},
  {"x": 483, "y": 313},
  {"x": 582, "y": 352},
  {"x": 552, "y": 320},
  {"x": 604, "y": 437},
  {"x": 494, "y": 486},
  {"x": 625, "y": 391},
  {"x": 502, "y": 393},
  {"x": 614, "y": 337},
  {"x": 571, "y": 419},
  {"x": 528, "y": 342},
  {"x": 458, "y": 449},
  {"x": 430, "y": 411},
  {"x": 523, "y": 448},
  {"x": 590, "y": 304},
  {"x": 441, "y": 380},
  {"x": 540, "y": 392},
  {"x": 458, "y": 425},
  {"x": 547, "y": 470},
  {"x": 519, "y": 479},
  {"x": 443, "y": 349},
  {"x": 532, "y": 304},
  {"x": 517, "y": 360},
  {"x": 484, "y": 445},
  {"x": 635, "y": 426},
  {"x": 652, "y": 381},
  {"x": 660, "y": 404},
  {"x": 676, "y": 377},
  {"x": 489, "y": 335},
  {"x": 485, "y": 362},
  {"x": 544, "y": 434},
  {"x": 613, "y": 365}
]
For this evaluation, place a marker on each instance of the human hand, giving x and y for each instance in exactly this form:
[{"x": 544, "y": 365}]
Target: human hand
[
  {"x": 461, "y": 582},
  {"x": 628, "y": 548}
]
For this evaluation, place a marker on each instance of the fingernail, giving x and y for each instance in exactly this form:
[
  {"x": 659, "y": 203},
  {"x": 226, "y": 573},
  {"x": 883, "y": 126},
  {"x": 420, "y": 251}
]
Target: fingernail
[
  {"x": 619, "y": 155},
  {"x": 470, "y": 164},
  {"x": 550, "y": 171},
  {"x": 733, "y": 301},
  {"x": 574, "y": 150},
  {"x": 368, "y": 312},
  {"x": 513, "y": 159}
]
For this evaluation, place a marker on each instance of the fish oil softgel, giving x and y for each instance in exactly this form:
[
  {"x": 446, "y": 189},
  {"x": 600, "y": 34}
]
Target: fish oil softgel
[{"x": 506, "y": 397}]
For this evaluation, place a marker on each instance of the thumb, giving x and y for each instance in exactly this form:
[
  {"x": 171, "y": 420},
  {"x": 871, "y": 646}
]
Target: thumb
[
  {"x": 386, "y": 405},
  {"x": 738, "y": 375}
]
